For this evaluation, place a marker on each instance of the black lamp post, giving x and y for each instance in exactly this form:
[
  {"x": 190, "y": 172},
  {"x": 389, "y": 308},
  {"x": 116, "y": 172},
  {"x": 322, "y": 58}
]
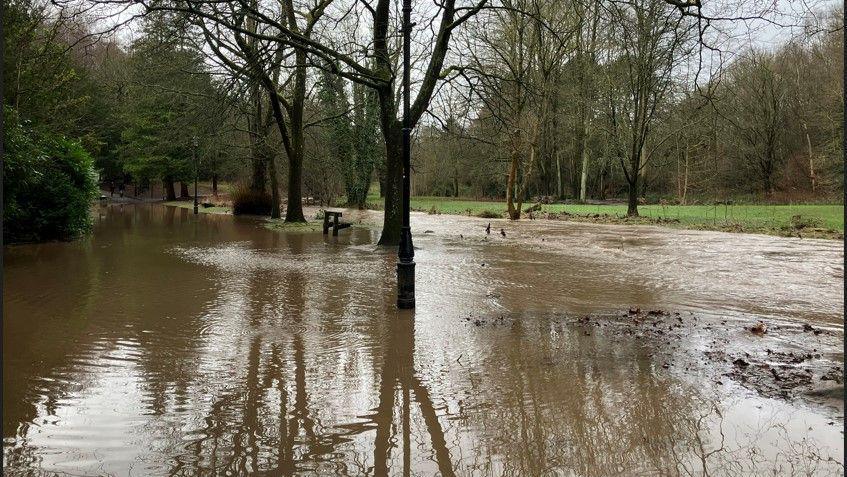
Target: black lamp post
[
  {"x": 196, "y": 171},
  {"x": 406, "y": 254}
]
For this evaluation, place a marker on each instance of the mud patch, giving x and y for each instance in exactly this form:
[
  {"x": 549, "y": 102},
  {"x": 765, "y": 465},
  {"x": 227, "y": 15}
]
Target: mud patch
[{"x": 774, "y": 359}]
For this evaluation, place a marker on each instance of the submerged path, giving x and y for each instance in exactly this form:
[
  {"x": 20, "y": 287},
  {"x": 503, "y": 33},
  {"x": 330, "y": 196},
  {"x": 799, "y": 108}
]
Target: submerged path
[{"x": 174, "y": 344}]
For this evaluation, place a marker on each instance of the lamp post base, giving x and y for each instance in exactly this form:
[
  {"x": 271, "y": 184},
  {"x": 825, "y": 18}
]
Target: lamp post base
[{"x": 405, "y": 285}]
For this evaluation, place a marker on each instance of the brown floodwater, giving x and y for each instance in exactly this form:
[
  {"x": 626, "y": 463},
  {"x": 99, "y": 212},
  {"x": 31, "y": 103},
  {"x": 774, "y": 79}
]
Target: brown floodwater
[{"x": 169, "y": 344}]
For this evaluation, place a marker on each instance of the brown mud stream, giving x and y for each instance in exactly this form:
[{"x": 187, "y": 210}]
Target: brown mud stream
[{"x": 168, "y": 344}]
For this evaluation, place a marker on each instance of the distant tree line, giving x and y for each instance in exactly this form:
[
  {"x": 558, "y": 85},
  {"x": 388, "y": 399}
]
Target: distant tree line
[
  {"x": 515, "y": 99},
  {"x": 599, "y": 102}
]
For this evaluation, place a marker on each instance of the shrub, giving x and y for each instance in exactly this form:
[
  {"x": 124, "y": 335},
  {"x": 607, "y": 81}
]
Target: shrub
[
  {"x": 49, "y": 184},
  {"x": 800, "y": 222},
  {"x": 246, "y": 201}
]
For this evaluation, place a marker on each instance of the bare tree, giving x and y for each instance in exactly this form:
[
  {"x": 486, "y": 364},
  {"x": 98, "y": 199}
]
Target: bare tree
[
  {"x": 514, "y": 60},
  {"x": 649, "y": 41}
]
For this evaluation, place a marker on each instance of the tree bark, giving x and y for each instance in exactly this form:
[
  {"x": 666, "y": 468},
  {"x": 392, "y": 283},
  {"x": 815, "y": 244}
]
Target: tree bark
[
  {"x": 258, "y": 181},
  {"x": 602, "y": 188},
  {"x": 583, "y": 182},
  {"x": 393, "y": 216},
  {"x": 215, "y": 185},
  {"x": 183, "y": 190},
  {"x": 643, "y": 171},
  {"x": 767, "y": 170},
  {"x": 583, "y": 138},
  {"x": 294, "y": 207},
  {"x": 632, "y": 182},
  {"x": 632, "y": 202},
  {"x": 381, "y": 180},
  {"x": 685, "y": 179},
  {"x": 527, "y": 175},
  {"x": 812, "y": 177},
  {"x": 258, "y": 136},
  {"x": 560, "y": 192},
  {"x": 767, "y": 185},
  {"x": 275, "y": 214},
  {"x": 168, "y": 184},
  {"x": 280, "y": 122},
  {"x": 574, "y": 177},
  {"x": 514, "y": 214},
  {"x": 682, "y": 176}
]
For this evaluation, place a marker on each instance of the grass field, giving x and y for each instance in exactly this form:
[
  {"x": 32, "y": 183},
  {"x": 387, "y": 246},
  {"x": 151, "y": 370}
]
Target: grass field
[
  {"x": 822, "y": 221},
  {"x": 826, "y": 221}
]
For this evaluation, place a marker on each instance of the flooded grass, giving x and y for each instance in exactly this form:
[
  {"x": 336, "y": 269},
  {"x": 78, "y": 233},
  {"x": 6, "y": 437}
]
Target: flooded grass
[{"x": 189, "y": 204}]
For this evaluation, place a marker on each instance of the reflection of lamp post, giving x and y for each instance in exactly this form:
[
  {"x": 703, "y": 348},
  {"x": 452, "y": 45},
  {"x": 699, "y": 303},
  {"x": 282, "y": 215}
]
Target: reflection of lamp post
[
  {"x": 406, "y": 254},
  {"x": 196, "y": 170}
]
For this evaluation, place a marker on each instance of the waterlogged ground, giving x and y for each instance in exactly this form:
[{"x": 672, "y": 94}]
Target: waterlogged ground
[{"x": 169, "y": 344}]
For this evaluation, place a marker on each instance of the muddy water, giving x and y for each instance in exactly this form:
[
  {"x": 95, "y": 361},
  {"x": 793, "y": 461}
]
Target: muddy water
[{"x": 168, "y": 344}]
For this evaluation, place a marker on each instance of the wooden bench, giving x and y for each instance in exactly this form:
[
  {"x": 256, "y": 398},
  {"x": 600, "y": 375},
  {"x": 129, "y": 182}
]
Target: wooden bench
[{"x": 336, "y": 225}]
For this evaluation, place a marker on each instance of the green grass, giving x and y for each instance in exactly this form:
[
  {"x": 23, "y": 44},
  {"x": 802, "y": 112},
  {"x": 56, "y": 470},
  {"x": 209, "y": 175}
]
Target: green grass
[
  {"x": 281, "y": 225},
  {"x": 826, "y": 216},
  {"x": 826, "y": 221},
  {"x": 442, "y": 205},
  {"x": 819, "y": 220}
]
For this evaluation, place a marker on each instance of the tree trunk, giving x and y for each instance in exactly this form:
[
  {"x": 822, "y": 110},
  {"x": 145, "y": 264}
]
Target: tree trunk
[
  {"x": 527, "y": 175},
  {"x": 215, "y": 185},
  {"x": 258, "y": 137},
  {"x": 767, "y": 173},
  {"x": 168, "y": 185},
  {"x": 632, "y": 182},
  {"x": 514, "y": 214},
  {"x": 574, "y": 178},
  {"x": 604, "y": 177},
  {"x": 632, "y": 203},
  {"x": 685, "y": 179},
  {"x": 380, "y": 177},
  {"x": 560, "y": 192},
  {"x": 294, "y": 207},
  {"x": 812, "y": 177},
  {"x": 643, "y": 171},
  {"x": 258, "y": 180},
  {"x": 275, "y": 214},
  {"x": 271, "y": 157},
  {"x": 583, "y": 139},
  {"x": 393, "y": 216},
  {"x": 767, "y": 186},
  {"x": 183, "y": 190},
  {"x": 583, "y": 182}
]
